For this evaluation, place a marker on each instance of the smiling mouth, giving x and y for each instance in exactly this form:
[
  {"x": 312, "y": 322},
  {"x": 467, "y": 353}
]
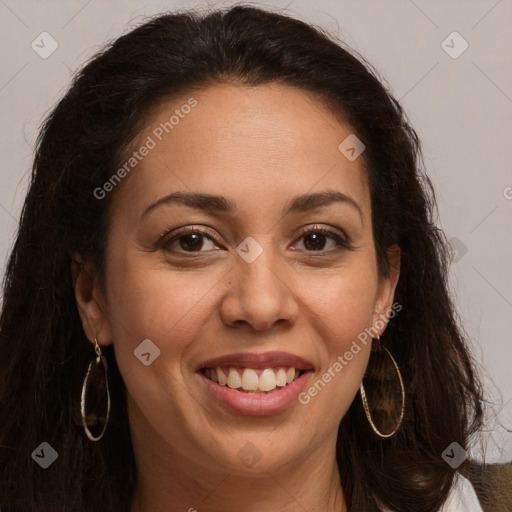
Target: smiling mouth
[{"x": 253, "y": 381}]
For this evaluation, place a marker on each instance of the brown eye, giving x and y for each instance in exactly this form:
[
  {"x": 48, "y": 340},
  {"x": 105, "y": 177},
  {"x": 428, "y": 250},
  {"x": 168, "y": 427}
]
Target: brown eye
[
  {"x": 189, "y": 241},
  {"x": 317, "y": 239}
]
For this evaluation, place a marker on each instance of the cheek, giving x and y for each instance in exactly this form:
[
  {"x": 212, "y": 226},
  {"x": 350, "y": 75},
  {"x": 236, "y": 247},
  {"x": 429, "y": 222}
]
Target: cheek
[
  {"x": 168, "y": 308},
  {"x": 340, "y": 310},
  {"x": 342, "y": 304},
  {"x": 151, "y": 302}
]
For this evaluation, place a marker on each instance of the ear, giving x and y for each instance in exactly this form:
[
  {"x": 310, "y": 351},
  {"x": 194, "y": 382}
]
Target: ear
[
  {"x": 90, "y": 301},
  {"x": 386, "y": 291}
]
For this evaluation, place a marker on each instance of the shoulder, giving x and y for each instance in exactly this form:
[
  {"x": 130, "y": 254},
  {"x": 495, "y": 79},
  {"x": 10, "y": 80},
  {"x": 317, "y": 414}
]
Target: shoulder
[{"x": 462, "y": 497}]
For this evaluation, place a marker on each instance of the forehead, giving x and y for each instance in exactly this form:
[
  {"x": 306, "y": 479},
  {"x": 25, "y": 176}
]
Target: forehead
[{"x": 252, "y": 144}]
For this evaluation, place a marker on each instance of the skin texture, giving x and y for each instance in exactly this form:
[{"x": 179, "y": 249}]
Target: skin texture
[{"x": 259, "y": 147}]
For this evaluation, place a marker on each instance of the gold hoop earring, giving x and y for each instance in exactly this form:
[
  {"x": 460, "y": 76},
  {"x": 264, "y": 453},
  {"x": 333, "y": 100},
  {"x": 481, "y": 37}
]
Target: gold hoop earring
[
  {"x": 99, "y": 381},
  {"x": 379, "y": 375}
]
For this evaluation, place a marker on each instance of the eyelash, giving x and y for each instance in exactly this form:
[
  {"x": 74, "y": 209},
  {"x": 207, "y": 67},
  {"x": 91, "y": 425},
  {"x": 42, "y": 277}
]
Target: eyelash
[{"x": 343, "y": 243}]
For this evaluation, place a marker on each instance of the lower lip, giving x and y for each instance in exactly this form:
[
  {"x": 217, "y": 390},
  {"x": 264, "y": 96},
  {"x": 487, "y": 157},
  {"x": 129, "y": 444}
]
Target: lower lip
[{"x": 257, "y": 405}]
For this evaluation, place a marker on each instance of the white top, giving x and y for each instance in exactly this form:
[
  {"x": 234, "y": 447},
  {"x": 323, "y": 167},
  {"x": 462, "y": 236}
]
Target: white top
[{"x": 462, "y": 497}]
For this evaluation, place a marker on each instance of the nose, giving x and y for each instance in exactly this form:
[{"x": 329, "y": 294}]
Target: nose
[{"x": 260, "y": 294}]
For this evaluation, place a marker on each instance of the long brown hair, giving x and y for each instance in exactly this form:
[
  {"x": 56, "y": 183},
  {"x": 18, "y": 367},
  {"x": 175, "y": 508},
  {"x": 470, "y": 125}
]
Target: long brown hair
[{"x": 44, "y": 351}]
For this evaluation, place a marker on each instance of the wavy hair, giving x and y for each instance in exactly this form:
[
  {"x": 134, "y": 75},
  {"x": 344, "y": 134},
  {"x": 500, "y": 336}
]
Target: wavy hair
[{"x": 81, "y": 144}]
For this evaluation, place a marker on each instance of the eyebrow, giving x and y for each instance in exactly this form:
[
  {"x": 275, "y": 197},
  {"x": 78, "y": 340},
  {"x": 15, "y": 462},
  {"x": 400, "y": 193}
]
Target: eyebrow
[{"x": 215, "y": 203}]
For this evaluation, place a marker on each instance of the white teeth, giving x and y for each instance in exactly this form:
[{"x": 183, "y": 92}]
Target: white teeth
[
  {"x": 221, "y": 377},
  {"x": 281, "y": 377},
  {"x": 234, "y": 379},
  {"x": 268, "y": 380},
  {"x": 250, "y": 380}
]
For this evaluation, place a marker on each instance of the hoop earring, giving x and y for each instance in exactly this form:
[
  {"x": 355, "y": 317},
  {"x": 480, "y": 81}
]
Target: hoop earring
[
  {"x": 98, "y": 381},
  {"x": 365, "y": 400}
]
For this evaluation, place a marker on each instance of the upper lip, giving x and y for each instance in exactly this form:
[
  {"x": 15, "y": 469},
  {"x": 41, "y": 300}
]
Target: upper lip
[{"x": 263, "y": 360}]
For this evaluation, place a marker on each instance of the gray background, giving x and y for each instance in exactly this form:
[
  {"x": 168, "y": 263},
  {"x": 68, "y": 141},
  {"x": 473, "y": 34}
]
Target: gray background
[{"x": 461, "y": 108}]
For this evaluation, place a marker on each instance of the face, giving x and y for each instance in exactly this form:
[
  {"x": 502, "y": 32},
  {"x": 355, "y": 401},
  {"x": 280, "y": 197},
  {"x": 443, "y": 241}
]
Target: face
[{"x": 242, "y": 240}]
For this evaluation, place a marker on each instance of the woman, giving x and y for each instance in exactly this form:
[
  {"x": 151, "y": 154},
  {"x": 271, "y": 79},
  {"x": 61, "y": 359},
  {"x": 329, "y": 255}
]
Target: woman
[{"x": 227, "y": 291}]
